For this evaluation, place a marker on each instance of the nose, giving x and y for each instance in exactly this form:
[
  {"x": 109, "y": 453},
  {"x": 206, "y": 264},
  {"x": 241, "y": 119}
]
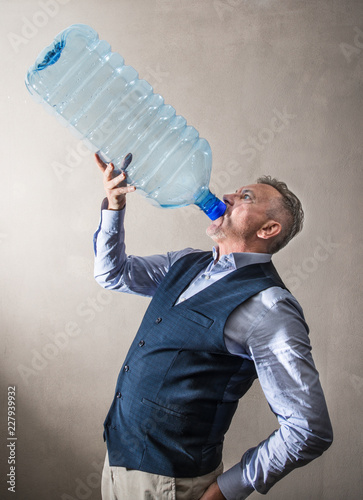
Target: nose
[{"x": 228, "y": 199}]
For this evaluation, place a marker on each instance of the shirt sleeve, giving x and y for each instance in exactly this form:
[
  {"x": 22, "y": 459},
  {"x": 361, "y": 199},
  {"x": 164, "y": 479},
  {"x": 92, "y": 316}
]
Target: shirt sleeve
[
  {"x": 278, "y": 343},
  {"x": 115, "y": 270}
]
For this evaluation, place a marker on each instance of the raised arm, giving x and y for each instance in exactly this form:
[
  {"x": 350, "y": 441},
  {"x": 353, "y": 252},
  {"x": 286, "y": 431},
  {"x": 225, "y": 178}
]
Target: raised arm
[{"x": 113, "y": 268}]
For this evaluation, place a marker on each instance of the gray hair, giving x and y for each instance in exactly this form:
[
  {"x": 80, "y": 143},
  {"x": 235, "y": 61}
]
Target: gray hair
[{"x": 291, "y": 207}]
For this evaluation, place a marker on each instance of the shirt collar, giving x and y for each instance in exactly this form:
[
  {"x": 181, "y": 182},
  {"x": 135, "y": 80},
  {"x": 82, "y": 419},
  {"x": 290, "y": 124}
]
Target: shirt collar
[{"x": 241, "y": 259}]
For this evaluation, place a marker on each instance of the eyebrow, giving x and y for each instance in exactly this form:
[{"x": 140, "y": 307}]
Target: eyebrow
[{"x": 248, "y": 191}]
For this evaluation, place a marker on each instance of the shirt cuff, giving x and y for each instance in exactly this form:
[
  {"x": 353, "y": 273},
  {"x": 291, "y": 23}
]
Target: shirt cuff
[
  {"x": 233, "y": 485},
  {"x": 111, "y": 220}
]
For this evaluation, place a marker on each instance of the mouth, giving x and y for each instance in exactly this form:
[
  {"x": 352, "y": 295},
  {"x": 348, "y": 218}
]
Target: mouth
[{"x": 228, "y": 206}]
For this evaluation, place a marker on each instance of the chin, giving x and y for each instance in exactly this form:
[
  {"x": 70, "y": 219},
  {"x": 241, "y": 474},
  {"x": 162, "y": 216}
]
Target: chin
[
  {"x": 215, "y": 233},
  {"x": 215, "y": 227}
]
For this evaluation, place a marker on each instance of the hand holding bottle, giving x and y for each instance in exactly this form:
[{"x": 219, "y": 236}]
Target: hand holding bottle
[{"x": 115, "y": 185}]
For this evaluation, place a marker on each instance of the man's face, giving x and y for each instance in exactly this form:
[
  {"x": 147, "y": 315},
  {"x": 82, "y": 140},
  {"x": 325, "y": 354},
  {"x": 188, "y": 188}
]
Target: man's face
[{"x": 246, "y": 213}]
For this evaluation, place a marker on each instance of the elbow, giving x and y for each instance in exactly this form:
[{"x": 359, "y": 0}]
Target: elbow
[
  {"x": 322, "y": 438},
  {"x": 307, "y": 445},
  {"x": 108, "y": 275},
  {"x": 318, "y": 444},
  {"x": 107, "y": 279},
  {"x": 325, "y": 438},
  {"x": 100, "y": 277},
  {"x": 104, "y": 279},
  {"x": 100, "y": 280},
  {"x": 320, "y": 441},
  {"x": 112, "y": 280},
  {"x": 105, "y": 282},
  {"x": 102, "y": 284}
]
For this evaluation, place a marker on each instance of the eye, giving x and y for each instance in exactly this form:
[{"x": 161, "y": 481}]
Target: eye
[{"x": 246, "y": 196}]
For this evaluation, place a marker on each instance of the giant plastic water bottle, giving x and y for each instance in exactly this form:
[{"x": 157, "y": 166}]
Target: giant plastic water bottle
[{"x": 90, "y": 90}]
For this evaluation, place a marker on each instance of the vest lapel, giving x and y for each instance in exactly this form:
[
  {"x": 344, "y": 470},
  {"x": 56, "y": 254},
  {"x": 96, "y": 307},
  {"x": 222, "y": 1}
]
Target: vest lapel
[
  {"x": 187, "y": 268},
  {"x": 240, "y": 284},
  {"x": 183, "y": 272}
]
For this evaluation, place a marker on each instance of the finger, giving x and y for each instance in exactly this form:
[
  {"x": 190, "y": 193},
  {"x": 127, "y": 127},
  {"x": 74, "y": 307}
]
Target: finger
[
  {"x": 112, "y": 182},
  {"x": 108, "y": 172},
  {"x": 101, "y": 164},
  {"x": 123, "y": 190}
]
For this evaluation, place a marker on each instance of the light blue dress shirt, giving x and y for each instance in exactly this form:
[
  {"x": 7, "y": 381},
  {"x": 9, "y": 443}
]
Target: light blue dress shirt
[{"x": 269, "y": 329}]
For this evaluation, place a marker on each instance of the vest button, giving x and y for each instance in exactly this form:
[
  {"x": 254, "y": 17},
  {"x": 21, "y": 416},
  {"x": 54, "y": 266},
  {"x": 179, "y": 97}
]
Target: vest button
[
  {"x": 126, "y": 368},
  {"x": 141, "y": 343},
  {"x": 158, "y": 320},
  {"x": 118, "y": 394}
]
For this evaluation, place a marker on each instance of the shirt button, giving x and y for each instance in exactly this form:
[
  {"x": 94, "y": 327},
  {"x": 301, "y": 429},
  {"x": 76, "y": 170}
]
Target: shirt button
[
  {"x": 141, "y": 343},
  {"x": 158, "y": 320},
  {"x": 126, "y": 368},
  {"x": 206, "y": 277},
  {"x": 182, "y": 299},
  {"x": 118, "y": 394}
]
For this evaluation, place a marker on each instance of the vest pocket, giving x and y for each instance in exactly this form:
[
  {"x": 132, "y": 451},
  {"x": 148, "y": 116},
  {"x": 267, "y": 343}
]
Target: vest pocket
[
  {"x": 171, "y": 448},
  {"x": 162, "y": 409},
  {"x": 196, "y": 317}
]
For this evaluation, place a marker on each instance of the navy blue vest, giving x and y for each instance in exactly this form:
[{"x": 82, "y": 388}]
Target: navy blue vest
[{"x": 168, "y": 416}]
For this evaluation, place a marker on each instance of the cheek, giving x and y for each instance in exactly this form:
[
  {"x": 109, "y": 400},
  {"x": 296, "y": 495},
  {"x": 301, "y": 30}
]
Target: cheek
[
  {"x": 242, "y": 222},
  {"x": 239, "y": 217}
]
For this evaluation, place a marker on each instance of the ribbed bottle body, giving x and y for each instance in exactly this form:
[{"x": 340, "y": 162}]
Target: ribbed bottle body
[{"x": 90, "y": 89}]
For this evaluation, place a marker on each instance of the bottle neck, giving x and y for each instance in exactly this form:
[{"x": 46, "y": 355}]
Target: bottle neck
[{"x": 211, "y": 205}]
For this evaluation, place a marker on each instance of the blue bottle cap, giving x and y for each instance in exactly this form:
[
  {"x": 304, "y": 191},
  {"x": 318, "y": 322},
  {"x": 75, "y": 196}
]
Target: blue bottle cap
[
  {"x": 211, "y": 205},
  {"x": 217, "y": 211}
]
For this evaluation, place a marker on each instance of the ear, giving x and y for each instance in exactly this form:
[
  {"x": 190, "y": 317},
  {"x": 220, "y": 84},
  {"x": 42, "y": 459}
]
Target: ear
[{"x": 270, "y": 229}]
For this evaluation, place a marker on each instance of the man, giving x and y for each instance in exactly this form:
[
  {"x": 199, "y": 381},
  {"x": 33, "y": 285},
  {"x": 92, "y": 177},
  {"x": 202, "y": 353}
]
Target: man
[{"x": 217, "y": 321}]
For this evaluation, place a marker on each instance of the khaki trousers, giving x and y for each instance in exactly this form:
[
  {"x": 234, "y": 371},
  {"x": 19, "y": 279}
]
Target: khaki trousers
[{"x": 119, "y": 483}]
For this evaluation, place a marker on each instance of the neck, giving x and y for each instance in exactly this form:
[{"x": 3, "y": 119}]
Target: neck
[{"x": 227, "y": 247}]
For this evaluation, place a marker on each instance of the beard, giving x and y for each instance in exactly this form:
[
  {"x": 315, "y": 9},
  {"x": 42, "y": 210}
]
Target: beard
[
  {"x": 215, "y": 231},
  {"x": 223, "y": 230}
]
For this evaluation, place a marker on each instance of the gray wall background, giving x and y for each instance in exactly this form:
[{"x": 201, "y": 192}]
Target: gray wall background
[{"x": 229, "y": 67}]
